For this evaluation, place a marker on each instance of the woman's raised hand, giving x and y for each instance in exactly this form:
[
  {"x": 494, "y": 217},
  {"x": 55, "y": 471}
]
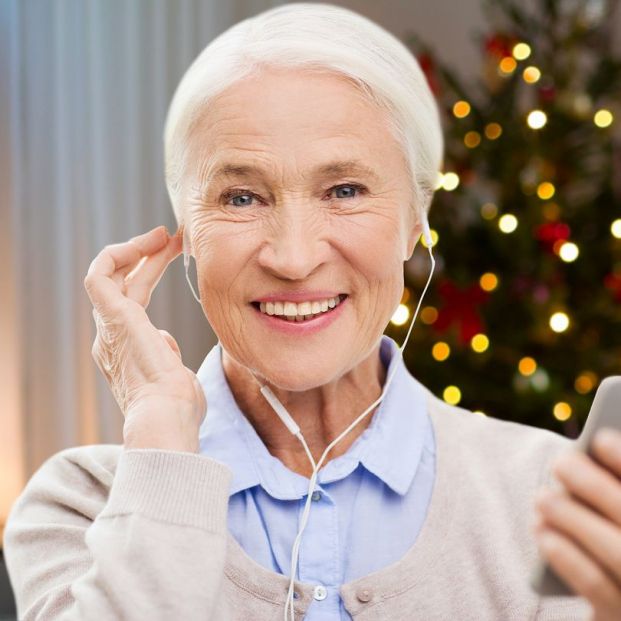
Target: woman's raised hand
[{"x": 161, "y": 399}]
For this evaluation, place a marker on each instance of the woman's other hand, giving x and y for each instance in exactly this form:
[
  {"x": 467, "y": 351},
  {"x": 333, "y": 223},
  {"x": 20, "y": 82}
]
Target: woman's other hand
[
  {"x": 579, "y": 529},
  {"x": 161, "y": 399}
]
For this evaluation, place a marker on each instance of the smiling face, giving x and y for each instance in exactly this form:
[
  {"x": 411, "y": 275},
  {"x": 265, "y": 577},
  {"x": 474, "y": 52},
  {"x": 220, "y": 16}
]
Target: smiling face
[{"x": 269, "y": 214}]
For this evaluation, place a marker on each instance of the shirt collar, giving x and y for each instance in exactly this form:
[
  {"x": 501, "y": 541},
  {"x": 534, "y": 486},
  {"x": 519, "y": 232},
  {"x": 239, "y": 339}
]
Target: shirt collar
[{"x": 390, "y": 447}]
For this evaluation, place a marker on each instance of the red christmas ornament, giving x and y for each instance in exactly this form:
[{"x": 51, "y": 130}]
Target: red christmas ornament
[
  {"x": 428, "y": 65},
  {"x": 461, "y": 307},
  {"x": 550, "y": 232},
  {"x": 613, "y": 282}
]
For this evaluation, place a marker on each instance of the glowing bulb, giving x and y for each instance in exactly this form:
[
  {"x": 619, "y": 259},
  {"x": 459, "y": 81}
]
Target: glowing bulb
[
  {"x": 452, "y": 395},
  {"x": 489, "y": 211},
  {"x": 434, "y": 238},
  {"x": 559, "y": 322},
  {"x": 507, "y": 65},
  {"x": 545, "y": 190},
  {"x": 488, "y": 281},
  {"x": 562, "y": 410},
  {"x": 461, "y": 109},
  {"x": 507, "y": 223},
  {"x": 603, "y": 118},
  {"x": 439, "y": 180},
  {"x": 569, "y": 252},
  {"x": 615, "y": 228},
  {"x": 493, "y": 131},
  {"x": 479, "y": 412},
  {"x": 428, "y": 314},
  {"x": 537, "y": 119},
  {"x": 479, "y": 343},
  {"x": 521, "y": 51},
  {"x": 531, "y": 75},
  {"x": 440, "y": 351},
  {"x": 472, "y": 139},
  {"x": 401, "y": 315},
  {"x": 585, "y": 382},
  {"x": 527, "y": 366},
  {"x": 451, "y": 181}
]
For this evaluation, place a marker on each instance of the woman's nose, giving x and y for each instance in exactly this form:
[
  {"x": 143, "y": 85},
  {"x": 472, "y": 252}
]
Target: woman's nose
[{"x": 295, "y": 247}]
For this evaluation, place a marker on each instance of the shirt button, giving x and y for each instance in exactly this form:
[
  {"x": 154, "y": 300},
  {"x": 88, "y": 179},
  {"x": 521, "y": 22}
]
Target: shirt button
[
  {"x": 320, "y": 592},
  {"x": 316, "y": 496},
  {"x": 364, "y": 595}
]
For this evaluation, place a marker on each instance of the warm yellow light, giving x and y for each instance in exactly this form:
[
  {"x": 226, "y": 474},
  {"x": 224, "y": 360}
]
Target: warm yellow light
[
  {"x": 527, "y": 365},
  {"x": 493, "y": 131},
  {"x": 585, "y": 382},
  {"x": 531, "y": 74},
  {"x": 479, "y": 343},
  {"x": 472, "y": 139},
  {"x": 615, "y": 228},
  {"x": 401, "y": 315},
  {"x": 479, "y": 412},
  {"x": 440, "y": 351},
  {"x": 451, "y": 181},
  {"x": 537, "y": 119},
  {"x": 488, "y": 281},
  {"x": 439, "y": 180},
  {"x": 428, "y": 314},
  {"x": 545, "y": 190},
  {"x": 521, "y": 51},
  {"x": 569, "y": 252},
  {"x": 461, "y": 109},
  {"x": 452, "y": 395},
  {"x": 489, "y": 211},
  {"x": 559, "y": 322},
  {"x": 562, "y": 410},
  {"x": 507, "y": 65},
  {"x": 507, "y": 223},
  {"x": 603, "y": 118},
  {"x": 434, "y": 238}
]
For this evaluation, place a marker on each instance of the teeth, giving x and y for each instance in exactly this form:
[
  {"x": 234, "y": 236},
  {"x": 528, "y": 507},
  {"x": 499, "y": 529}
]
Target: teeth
[{"x": 299, "y": 312}]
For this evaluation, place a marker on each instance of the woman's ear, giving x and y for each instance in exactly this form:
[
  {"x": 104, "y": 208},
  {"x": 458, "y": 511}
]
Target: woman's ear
[{"x": 414, "y": 232}]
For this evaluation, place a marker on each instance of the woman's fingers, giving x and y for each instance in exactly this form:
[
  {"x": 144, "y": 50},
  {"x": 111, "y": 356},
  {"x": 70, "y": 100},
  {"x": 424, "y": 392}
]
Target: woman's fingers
[{"x": 100, "y": 284}]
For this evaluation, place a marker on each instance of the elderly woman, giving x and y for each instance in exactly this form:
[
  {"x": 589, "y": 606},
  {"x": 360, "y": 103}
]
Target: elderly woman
[{"x": 302, "y": 148}]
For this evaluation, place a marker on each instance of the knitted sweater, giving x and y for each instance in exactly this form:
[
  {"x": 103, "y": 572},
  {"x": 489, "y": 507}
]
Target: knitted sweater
[{"x": 101, "y": 533}]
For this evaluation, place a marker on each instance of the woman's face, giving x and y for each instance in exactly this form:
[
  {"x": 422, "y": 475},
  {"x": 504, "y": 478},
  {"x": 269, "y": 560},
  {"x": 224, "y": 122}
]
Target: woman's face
[{"x": 282, "y": 226}]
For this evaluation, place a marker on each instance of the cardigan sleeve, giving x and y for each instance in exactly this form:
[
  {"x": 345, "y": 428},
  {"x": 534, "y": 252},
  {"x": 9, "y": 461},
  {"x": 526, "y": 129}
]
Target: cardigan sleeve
[{"x": 152, "y": 546}]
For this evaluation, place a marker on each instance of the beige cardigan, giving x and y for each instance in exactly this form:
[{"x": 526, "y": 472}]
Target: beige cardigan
[{"x": 102, "y": 533}]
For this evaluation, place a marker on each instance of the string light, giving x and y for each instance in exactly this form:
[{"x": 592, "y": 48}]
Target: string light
[
  {"x": 559, "y": 322},
  {"x": 434, "y": 238},
  {"x": 545, "y": 190},
  {"x": 531, "y": 74},
  {"x": 493, "y": 131},
  {"x": 507, "y": 65},
  {"x": 585, "y": 382},
  {"x": 401, "y": 315},
  {"x": 461, "y": 109},
  {"x": 472, "y": 139},
  {"x": 527, "y": 366},
  {"x": 569, "y": 252},
  {"x": 440, "y": 351},
  {"x": 562, "y": 410},
  {"x": 537, "y": 119},
  {"x": 428, "y": 314},
  {"x": 521, "y": 51},
  {"x": 479, "y": 343},
  {"x": 452, "y": 395},
  {"x": 603, "y": 118},
  {"x": 507, "y": 223},
  {"x": 489, "y": 211},
  {"x": 488, "y": 281},
  {"x": 615, "y": 228},
  {"x": 450, "y": 181}
]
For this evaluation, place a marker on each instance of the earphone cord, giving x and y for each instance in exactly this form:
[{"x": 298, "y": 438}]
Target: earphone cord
[{"x": 316, "y": 467}]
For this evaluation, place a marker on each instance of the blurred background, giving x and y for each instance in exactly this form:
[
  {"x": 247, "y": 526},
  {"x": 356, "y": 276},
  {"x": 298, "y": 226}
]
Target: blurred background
[{"x": 522, "y": 318}]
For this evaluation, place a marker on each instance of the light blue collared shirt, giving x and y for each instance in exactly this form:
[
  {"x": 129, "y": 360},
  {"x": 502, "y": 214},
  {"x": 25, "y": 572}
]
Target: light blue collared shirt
[{"x": 369, "y": 503}]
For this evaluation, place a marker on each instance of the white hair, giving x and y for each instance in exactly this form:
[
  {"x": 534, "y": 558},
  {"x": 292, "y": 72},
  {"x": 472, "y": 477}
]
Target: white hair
[{"x": 321, "y": 37}]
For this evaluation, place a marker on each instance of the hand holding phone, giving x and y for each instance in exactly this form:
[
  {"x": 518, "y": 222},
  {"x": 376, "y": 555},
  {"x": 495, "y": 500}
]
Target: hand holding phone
[{"x": 605, "y": 412}]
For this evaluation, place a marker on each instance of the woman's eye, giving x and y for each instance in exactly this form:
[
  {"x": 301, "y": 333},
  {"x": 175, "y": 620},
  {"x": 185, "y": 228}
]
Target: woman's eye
[
  {"x": 235, "y": 194},
  {"x": 352, "y": 189}
]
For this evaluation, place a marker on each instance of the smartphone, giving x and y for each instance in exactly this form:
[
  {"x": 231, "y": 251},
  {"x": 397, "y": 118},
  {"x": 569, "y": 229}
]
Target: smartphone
[{"x": 605, "y": 412}]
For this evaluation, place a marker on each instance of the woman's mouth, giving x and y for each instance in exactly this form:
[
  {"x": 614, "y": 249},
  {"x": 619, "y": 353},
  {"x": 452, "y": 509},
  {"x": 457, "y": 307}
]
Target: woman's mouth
[{"x": 301, "y": 318}]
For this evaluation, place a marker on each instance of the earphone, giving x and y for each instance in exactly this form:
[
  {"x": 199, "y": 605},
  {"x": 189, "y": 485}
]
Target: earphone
[{"x": 293, "y": 427}]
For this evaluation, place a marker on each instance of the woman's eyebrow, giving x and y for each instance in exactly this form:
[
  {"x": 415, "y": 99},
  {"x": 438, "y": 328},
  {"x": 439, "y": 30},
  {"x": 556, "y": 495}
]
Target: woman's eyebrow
[{"x": 333, "y": 169}]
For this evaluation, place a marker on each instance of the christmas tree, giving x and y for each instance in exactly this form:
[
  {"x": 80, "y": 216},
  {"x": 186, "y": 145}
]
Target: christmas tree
[{"x": 522, "y": 319}]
